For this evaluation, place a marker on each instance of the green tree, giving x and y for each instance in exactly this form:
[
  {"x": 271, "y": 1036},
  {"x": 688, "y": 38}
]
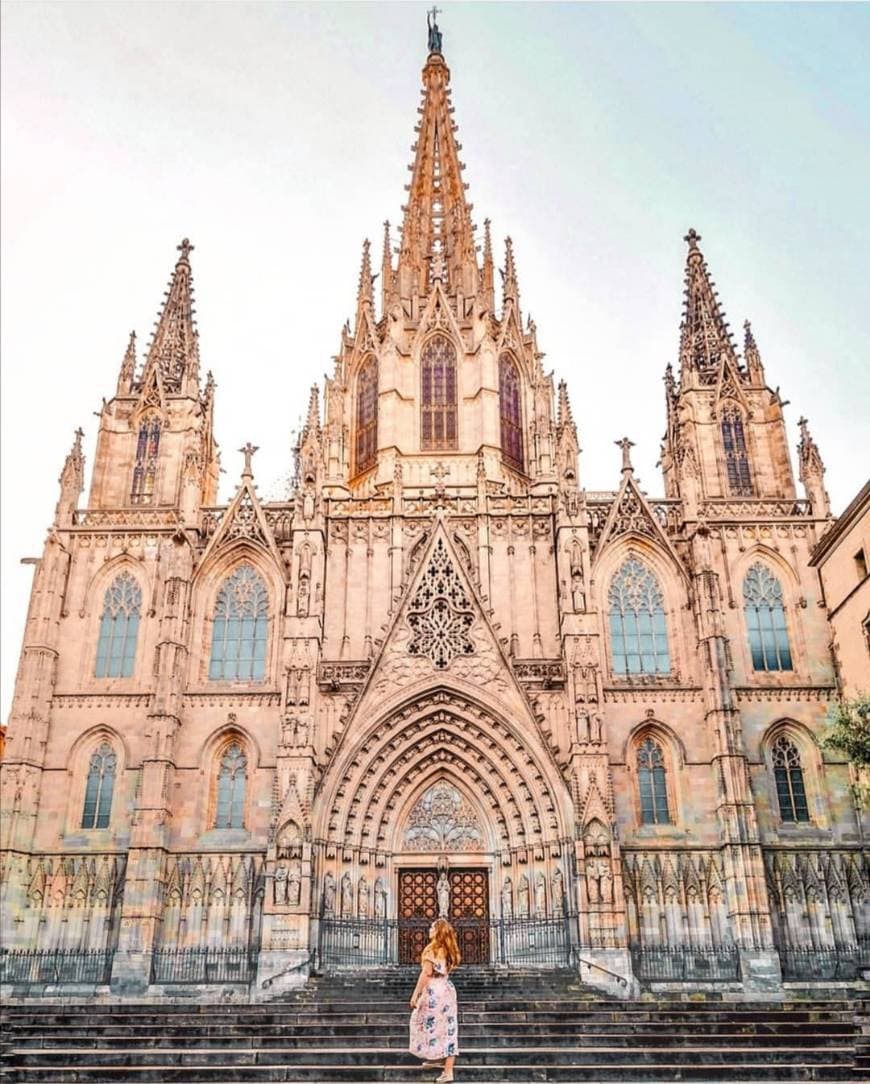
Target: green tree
[{"x": 848, "y": 732}]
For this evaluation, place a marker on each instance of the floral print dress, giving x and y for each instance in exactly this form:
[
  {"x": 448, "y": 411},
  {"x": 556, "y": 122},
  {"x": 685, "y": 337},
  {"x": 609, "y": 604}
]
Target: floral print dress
[{"x": 434, "y": 1023}]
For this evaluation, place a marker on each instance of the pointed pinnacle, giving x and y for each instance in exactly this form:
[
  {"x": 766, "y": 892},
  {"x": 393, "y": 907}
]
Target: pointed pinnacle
[
  {"x": 510, "y": 285},
  {"x": 365, "y": 274},
  {"x": 749, "y": 342},
  {"x": 312, "y": 421}
]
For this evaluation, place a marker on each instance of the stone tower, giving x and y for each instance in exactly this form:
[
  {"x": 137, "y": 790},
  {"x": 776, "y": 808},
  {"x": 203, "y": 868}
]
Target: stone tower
[{"x": 441, "y": 676}]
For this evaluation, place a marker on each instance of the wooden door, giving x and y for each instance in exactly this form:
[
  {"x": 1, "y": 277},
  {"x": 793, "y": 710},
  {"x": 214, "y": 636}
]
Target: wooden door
[
  {"x": 418, "y": 907},
  {"x": 469, "y": 912}
]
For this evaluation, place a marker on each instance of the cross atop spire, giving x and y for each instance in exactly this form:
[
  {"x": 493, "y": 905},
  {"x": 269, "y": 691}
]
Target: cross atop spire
[
  {"x": 704, "y": 334},
  {"x": 625, "y": 445},
  {"x": 434, "y": 33},
  {"x": 174, "y": 347},
  {"x": 248, "y": 452}
]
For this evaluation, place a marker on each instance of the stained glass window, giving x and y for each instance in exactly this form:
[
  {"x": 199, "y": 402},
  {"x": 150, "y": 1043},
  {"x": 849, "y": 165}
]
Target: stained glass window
[
  {"x": 367, "y": 415},
  {"x": 232, "y": 777},
  {"x": 511, "y": 414},
  {"x": 652, "y": 783},
  {"x": 99, "y": 788},
  {"x": 736, "y": 456},
  {"x": 119, "y": 628},
  {"x": 765, "y": 620},
  {"x": 145, "y": 469},
  {"x": 439, "y": 393},
  {"x": 240, "y": 628},
  {"x": 789, "y": 778},
  {"x": 638, "y": 631}
]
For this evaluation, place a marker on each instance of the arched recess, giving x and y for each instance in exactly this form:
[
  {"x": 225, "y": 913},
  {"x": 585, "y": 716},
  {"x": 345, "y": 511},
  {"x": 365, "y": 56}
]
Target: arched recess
[
  {"x": 436, "y": 734},
  {"x": 210, "y": 761},
  {"x": 799, "y": 737},
  {"x": 674, "y": 758},
  {"x": 78, "y": 760},
  {"x": 439, "y": 393},
  {"x": 365, "y": 411},
  {"x": 92, "y": 609},
  {"x": 470, "y": 820},
  {"x": 792, "y": 593},
  {"x": 735, "y": 457},
  {"x": 207, "y": 583},
  {"x": 673, "y": 582}
]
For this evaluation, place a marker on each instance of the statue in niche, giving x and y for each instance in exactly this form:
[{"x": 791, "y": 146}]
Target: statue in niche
[
  {"x": 558, "y": 893},
  {"x": 329, "y": 894},
  {"x": 523, "y": 897},
  {"x": 301, "y": 731},
  {"x": 540, "y": 895},
  {"x": 346, "y": 896},
  {"x": 308, "y": 503},
  {"x": 294, "y": 885},
  {"x": 289, "y": 844},
  {"x": 363, "y": 898},
  {"x": 597, "y": 866},
  {"x": 595, "y": 727},
  {"x": 279, "y": 885},
  {"x": 582, "y": 726},
  {"x": 380, "y": 898},
  {"x": 303, "y": 596},
  {"x": 443, "y": 891},
  {"x": 507, "y": 899}
]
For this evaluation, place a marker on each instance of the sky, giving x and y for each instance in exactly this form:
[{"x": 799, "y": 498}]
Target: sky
[{"x": 277, "y": 137}]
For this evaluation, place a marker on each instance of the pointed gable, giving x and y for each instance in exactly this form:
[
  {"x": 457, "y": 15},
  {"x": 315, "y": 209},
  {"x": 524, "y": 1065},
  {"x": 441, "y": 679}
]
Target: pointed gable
[
  {"x": 174, "y": 348},
  {"x": 244, "y": 521},
  {"x": 631, "y": 514}
]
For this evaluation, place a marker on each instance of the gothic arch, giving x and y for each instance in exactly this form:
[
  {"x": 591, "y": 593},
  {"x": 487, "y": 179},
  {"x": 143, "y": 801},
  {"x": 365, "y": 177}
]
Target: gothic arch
[
  {"x": 210, "y": 761},
  {"x": 449, "y": 775},
  {"x": 434, "y": 734},
  {"x": 673, "y": 582},
  {"x": 812, "y": 765},
  {"x": 440, "y": 435},
  {"x": 790, "y": 583},
  {"x": 674, "y": 757},
  {"x": 94, "y": 601},
  {"x": 366, "y": 386},
  {"x": 207, "y": 583},
  {"x": 77, "y": 763}
]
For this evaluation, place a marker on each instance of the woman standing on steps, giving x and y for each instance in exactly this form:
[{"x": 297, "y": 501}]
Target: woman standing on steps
[{"x": 434, "y": 1021}]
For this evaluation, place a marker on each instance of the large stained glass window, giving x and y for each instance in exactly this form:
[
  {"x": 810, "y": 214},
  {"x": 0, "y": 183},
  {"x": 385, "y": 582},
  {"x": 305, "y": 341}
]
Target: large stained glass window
[
  {"x": 119, "y": 628},
  {"x": 638, "y": 631},
  {"x": 99, "y": 788},
  {"x": 145, "y": 468},
  {"x": 511, "y": 413},
  {"x": 789, "y": 776},
  {"x": 765, "y": 620},
  {"x": 231, "y": 781},
  {"x": 367, "y": 415},
  {"x": 438, "y": 409},
  {"x": 736, "y": 456},
  {"x": 652, "y": 783},
  {"x": 240, "y": 628}
]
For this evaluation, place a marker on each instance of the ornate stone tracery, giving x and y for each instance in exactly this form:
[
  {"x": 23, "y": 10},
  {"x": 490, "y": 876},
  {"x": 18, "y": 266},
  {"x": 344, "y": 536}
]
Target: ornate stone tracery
[
  {"x": 443, "y": 820},
  {"x": 440, "y": 614}
]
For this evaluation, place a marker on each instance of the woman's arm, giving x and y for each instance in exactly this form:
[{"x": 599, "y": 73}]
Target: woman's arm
[{"x": 425, "y": 973}]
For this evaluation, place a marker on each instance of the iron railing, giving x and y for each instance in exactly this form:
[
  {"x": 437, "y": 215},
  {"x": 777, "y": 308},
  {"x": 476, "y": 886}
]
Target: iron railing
[
  {"x": 205, "y": 965},
  {"x": 352, "y": 942},
  {"x": 685, "y": 963},
  {"x": 802, "y": 964},
  {"x": 40, "y": 967}
]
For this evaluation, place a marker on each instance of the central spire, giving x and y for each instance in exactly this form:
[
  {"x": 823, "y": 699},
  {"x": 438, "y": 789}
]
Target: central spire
[{"x": 437, "y": 233}]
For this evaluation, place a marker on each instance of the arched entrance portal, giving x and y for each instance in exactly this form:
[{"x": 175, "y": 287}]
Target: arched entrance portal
[{"x": 443, "y": 806}]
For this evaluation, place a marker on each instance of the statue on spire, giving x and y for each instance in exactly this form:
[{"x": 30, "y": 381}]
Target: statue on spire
[{"x": 434, "y": 32}]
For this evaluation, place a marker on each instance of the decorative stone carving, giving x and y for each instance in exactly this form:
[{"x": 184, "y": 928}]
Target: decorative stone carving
[
  {"x": 523, "y": 897},
  {"x": 440, "y": 613},
  {"x": 442, "y": 820},
  {"x": 329, "y": 894}
]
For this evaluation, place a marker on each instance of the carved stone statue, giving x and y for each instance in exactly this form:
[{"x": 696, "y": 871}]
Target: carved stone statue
[
  {"x": 329, "y": 894},
  {"x": 523, "y": 897},
  {"x": 558, "y": 893},
  {"x": 294, "y": 885},
  {"x": 380, "y": 898},
  {"x": 597, "y": 867},
  {"x": 346, "y": 896},
  {"x": 540, "y": 895},
  {"x": 363, "y": 898},
  {"x": 279, "y": 885},
  {"x": 443, "y": 890},
  {"x": 507, "y": 899},
  {"x": 434, "y": 32}
]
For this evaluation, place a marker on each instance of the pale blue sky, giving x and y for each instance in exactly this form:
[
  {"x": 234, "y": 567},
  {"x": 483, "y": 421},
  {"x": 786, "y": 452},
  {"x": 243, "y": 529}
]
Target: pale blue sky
[{"x": 277, "y": 137}]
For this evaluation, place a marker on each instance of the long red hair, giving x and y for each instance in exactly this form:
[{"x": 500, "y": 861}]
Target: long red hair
[{"x": 444, "y": 944}]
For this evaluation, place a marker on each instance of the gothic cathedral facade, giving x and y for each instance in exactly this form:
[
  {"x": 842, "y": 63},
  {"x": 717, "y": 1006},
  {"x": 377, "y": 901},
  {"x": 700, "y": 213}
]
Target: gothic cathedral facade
[{"x": 442, "y": 676}]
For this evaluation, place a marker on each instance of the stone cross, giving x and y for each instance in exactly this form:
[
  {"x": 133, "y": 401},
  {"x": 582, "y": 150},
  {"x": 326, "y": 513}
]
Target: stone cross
[
  {"x": 692, "y": 238},
  {"x": 248, "y": 453},
  {"x": 185, "y": 248},
  {"x": 626, "y": 445}
]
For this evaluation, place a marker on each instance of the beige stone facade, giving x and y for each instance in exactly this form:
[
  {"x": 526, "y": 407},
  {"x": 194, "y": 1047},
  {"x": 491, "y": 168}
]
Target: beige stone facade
[
  {"x": 843, "y": 559},
  {"x": 252, "y": 726}
]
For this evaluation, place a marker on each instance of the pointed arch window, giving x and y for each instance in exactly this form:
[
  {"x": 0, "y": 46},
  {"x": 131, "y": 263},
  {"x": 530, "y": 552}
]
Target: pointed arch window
[
  {"x": 438, "y": 407},
  {"x": 367, "y": 415},
  {"x": 145, "y": 468},
  {"x": 765, "y": 620},
  {"x": 511, "y": 412},
  {"x": 736, "y": 455},
  {"x": 99, "y": 788},
  {"x": 119, "y": 628},
  {"x": 231, "y": 784},
  {"x": 789, "y": 776},
  {"x": 638, "y": 630},
  {"x": 652, "y": 783},
  {"x": 240, "y": 628}
]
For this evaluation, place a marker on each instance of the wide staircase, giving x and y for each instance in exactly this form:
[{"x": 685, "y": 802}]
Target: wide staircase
[{"x": 513, "y": 1027}]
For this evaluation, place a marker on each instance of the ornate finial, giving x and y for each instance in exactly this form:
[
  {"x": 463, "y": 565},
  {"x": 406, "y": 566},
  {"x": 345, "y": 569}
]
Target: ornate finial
[
  {"x": 692, "y": 238},
  {"x": 434, "y": 32},
  {"x": 803, "y": 424},
  {"x": 248, "y": 453},
  {"x": 185, "y": 248},
  {"x": 626, "y": 445}
]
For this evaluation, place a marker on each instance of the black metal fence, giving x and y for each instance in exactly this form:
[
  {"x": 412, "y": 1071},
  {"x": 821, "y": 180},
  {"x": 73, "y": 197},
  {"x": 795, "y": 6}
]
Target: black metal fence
[
  {"x": 539, "y": 942},
  {"x": 685, "y": 963},
  {"x": 805, "y": 964},
  {"x": 220, "y": 964},
  {"x": 40, "y": 967}
]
